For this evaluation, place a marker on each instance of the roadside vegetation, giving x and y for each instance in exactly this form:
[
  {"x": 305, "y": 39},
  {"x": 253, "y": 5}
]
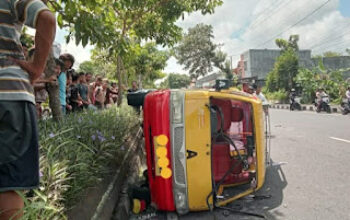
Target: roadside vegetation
[
  {"x": 75, "y": 154},
  {"x": 287, "y": 74}
]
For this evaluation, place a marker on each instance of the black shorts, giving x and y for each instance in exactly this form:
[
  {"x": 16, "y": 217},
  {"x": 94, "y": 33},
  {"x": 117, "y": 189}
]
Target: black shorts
[{"x": 19, "y": 147}]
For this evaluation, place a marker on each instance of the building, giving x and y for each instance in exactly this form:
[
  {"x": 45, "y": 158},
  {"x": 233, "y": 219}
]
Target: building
[
  {"x": 255, "y": 64},
  {"x": 335, "y": 63},
  {"x": 208, "y": 81},
  {"x": 259, "y": 62}
]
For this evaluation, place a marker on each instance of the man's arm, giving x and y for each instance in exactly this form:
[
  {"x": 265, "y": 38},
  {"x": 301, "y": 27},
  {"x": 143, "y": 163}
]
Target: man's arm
[{"x": 44, "y": 36}]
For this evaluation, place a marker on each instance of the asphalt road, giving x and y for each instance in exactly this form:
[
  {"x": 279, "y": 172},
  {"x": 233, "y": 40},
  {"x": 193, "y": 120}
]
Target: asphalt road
[{"x": 315, "y": 182}]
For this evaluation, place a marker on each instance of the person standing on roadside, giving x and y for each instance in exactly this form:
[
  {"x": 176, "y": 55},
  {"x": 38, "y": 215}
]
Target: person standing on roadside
[
  {"x": 83, "y": 90},
  {"x": 99, "y": 93},
  {"x": 134, "y": 87},
  {"x": 68, "y": 61},
  {"x": 19, "y": 148}
]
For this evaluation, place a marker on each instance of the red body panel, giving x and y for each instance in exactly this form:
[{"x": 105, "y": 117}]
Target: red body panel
[{"x": 157, "y": 122}]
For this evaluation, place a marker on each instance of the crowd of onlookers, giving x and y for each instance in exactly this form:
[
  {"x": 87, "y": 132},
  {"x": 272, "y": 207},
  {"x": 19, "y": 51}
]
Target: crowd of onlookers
[{"x": 77, "y": 90}]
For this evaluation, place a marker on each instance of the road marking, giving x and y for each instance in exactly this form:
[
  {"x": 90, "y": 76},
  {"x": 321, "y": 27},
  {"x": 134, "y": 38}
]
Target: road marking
[{"x": 339, "y": 139}]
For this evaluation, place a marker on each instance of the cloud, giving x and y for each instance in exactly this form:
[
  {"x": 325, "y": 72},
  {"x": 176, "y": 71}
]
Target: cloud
[{"x": 243, "y": 25}]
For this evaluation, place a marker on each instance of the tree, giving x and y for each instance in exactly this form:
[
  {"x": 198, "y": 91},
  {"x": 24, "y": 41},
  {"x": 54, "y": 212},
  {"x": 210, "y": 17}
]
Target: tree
[
  {"x": 52, "y": 87},
  {"x": 291, "y": 44},
  {"x": 331, "y": 54},
  {"x": 143, "y": 64},
  {"x": 176, "y": 81},
  {"x": 286, "y": 66},
  {"x": 222, "y": 63},
  {"x": 332, "y": 82},
  {"x": 147, "y": 63},
  {"x": 347, "y": 50},
  {"x": 197, "y": 51},
  {"x": 112, "y": 25},
  {"x": 89, "y": 67}
]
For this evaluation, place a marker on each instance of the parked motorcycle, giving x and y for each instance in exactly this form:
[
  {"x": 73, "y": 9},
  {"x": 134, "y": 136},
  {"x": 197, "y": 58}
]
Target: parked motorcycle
[
  {"x": 295, "y": 104},
  {"x": 324, "y": 105},
  {"x": 345, "y": 107}
]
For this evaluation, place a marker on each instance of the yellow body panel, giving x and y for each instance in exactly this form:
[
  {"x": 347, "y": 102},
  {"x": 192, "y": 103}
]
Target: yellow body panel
[
  {"x": 198, "y": 139},
  {"x": 197, "y": 122}
]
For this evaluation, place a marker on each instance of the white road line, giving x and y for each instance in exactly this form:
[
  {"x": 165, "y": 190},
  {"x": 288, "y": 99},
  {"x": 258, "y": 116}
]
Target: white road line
[{"x": 339, "y": 139}]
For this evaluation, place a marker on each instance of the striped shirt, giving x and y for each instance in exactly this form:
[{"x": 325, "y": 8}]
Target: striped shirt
[{"x": 14, "y": 82}]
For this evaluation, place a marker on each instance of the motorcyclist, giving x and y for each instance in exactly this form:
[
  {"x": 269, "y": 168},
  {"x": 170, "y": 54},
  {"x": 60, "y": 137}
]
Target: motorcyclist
[
  {"x": 348, "y": 94},
  {"x": 319, "y": 94},
  {"x": 292, "y": 96}
]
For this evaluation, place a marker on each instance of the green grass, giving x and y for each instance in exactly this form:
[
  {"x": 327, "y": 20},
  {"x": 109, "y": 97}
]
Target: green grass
[{"x": 75, "y": 154}]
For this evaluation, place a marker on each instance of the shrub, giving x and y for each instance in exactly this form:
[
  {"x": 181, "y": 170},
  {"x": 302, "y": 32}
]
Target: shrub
[
  {"x": 76, "y": 154},
  {"x": 279, "y": 96}
]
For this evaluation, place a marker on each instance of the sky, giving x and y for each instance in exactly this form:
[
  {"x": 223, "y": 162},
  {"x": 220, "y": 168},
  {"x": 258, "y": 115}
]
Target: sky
[{"x": 238, "y": 25}]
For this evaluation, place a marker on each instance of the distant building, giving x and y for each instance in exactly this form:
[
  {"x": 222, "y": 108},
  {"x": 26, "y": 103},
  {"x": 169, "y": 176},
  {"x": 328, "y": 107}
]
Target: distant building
[
  {"x": 335, "y": 63},
  {"x": 259, "y": 62},
  {"x": 208, "y": 81},
  {"x": 255, "y": 64}
]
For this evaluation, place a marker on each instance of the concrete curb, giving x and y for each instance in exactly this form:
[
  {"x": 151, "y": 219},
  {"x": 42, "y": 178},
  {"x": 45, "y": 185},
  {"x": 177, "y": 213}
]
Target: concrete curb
[
  {"x": 106, "y": 194},
  {"x": 104, "y": 210},
  {"x": 123, "y": 209},
  {"x": 334, "y": 108}
]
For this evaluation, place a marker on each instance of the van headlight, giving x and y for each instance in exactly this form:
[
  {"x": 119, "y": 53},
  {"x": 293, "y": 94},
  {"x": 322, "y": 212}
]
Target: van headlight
[
  {"x": 177, "y": 104},
  {"x": 177, "y": 99},
  {"x": 181, "y": 201}
]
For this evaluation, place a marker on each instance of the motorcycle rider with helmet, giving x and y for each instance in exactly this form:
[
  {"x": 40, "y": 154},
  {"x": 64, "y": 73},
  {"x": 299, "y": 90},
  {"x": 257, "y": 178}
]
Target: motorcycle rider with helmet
[
  {"x": 319, "y": 94},
  {"x": 348, "y": 94},
  {"x": 292, "y": 96}
]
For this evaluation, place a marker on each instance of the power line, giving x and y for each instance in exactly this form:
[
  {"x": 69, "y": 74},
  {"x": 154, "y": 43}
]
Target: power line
[
  {"x": 273, "y": 9},
  {"x": 256, "y": 22},
  {"x": 327, "y": 40},
  {"x": 335, "y": 45},
  {"x": 295, "y": 24}
]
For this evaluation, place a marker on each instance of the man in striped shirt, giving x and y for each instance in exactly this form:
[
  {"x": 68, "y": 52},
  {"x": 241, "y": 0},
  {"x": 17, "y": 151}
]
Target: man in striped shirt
[{"x": 19, "y": 159}]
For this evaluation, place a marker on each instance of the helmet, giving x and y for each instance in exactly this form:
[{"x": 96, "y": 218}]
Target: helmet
[{"x": 293, "y": 90}]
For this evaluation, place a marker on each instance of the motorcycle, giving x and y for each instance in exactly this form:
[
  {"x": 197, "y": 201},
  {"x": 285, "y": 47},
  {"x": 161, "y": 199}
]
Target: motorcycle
[
  {"x": 295, "y": 104},
  {"x": 345, "y": 107},
  {"x": 324, "y": 105}
]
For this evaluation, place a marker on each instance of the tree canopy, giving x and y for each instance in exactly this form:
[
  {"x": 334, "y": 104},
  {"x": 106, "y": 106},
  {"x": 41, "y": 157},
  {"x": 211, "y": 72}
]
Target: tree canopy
[
  {"x": 196, "y": 51},
  {"x": 176, "y": 81},
  {"x": 143, "y": 64},
  {"x": 286, "y": 66},
  {"x": 114, "y": 25}
]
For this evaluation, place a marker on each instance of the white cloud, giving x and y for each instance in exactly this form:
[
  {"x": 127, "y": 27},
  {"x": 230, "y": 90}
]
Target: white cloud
[
  {"x": 174, "y": 67},
  {"x": 243, "y": 25}
]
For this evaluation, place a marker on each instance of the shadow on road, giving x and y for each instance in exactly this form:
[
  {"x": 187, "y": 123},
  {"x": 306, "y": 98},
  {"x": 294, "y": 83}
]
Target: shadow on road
[{"x": 266, "y": 200}]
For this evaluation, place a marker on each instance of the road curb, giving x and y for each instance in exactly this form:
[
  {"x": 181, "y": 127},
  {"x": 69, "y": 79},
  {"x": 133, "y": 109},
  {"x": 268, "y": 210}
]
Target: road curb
[
  {"x": 107, "y": 193},
  {"x": 334, "y": 108}
]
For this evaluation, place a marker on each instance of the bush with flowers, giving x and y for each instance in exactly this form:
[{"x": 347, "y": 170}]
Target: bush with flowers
[{"x": 75, "y": 154}]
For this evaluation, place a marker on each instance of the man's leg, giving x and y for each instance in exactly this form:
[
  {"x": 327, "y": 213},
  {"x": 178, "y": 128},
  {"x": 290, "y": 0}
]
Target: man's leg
[
  {"x": 11, "y": 205},
  {"x": 63, "y": 109}
]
